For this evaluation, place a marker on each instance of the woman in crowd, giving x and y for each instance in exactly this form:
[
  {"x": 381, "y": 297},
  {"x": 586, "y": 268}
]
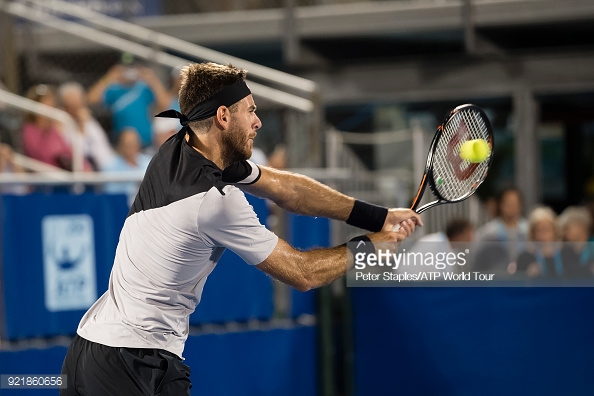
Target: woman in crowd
[
  {"x": 542, "y": 256},
  {"x": 578, "y": 258},
  {"x": 42, "y": 139}
]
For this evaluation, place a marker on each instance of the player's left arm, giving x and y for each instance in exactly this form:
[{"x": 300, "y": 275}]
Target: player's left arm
[{"x": 305, "y": 196}]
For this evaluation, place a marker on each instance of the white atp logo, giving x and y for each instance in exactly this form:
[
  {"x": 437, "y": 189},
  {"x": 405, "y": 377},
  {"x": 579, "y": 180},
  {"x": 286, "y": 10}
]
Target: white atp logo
[{"x": 69, "y": 262}]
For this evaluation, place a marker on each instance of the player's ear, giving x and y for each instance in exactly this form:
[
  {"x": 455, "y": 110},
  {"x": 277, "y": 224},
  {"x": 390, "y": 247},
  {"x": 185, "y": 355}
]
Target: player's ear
[{"x": 222, "y": 118}]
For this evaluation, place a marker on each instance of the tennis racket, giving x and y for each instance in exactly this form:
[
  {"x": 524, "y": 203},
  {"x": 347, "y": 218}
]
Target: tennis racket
[{"x": 451, "y": 178}]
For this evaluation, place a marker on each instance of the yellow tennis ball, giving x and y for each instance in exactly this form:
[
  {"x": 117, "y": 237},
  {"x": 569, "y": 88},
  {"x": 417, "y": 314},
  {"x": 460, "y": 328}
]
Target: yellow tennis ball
[{"x": 475, "y": 151}]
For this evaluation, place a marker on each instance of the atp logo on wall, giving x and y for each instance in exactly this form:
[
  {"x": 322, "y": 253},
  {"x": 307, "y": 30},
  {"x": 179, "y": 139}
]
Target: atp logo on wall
[{"x": 69, "y": 262}]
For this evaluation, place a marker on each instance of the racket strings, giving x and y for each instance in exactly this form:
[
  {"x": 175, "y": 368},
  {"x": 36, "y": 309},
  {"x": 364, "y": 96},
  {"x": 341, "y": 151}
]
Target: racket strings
[{"x": 453, "y": 177}]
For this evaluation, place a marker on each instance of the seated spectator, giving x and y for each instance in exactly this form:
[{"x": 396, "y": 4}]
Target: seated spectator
[
  {"x": 42, "y": 139},
  {"x": 128, "y": 159},
  {"x": 96, "y": 147},
  {"x": 456, "y": 238},
  {"x": 578, "y": 259},
  {"x": 278, "y": 157},
  {"x": 542, "y": 256},
  {"x": 163, "y": 129},
  {"x": 7, "y": 165},
  {"x": 134, "y": 94},
  {"x": 259, "y": 157},
  {"x": 506, "y": 233}
]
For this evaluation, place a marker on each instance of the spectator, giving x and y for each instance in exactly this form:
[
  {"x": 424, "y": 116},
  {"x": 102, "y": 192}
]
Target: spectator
[
  {"x": 175, "y": 85},
  {"x": 259, "y": 157},
  {"x": 456, "y": 238},
  {"x": 96, "y": 147},
  {"x": 163, "y": 129},
  {"x": 278, "y": 157},
  {"x": 542, "y": 256},
  {"x": 578, "y": 259},
  {"x": 128, "y": 159},
  {"x": 8, "y": 165},
  {"x": 504, "y": 237},
  {"x": 41, "y": 138},
  {"x": 134, "y": 94}
]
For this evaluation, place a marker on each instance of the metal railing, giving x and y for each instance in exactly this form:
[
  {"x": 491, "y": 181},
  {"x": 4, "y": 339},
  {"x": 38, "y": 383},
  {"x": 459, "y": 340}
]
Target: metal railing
[
  {"x": 37, "y": 11},
  {"x": 44, "y": 13},
  {"x": 32, "y": 106},
  {"x": 173, "y": 43}
]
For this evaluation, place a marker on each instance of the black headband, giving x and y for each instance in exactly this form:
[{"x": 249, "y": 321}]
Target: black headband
[{"x": 228, "y": 96}]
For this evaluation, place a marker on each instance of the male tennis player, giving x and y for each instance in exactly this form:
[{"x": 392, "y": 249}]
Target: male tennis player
[{"x": 188, "y": 210}]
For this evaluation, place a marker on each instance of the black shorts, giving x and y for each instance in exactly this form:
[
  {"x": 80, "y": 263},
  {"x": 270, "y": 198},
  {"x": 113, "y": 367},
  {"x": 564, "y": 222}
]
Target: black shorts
[{"x": 96, "y": 369}]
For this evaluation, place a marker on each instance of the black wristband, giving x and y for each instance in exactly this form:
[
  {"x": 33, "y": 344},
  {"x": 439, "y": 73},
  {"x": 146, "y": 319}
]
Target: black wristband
[
  {"x": 361, "y": 244},
  {"x": 367, "y": 216}
]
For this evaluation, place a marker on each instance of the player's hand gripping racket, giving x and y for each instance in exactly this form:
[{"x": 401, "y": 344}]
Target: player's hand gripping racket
[{"x": 459, "y": 158}]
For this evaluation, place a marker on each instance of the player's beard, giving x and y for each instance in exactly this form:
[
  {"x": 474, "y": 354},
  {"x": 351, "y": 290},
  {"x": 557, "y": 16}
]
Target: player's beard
[{"x": 235, "y": 146}]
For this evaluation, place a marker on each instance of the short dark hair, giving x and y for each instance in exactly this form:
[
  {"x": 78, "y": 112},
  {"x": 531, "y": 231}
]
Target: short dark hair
[
  {"x": 503, "y": 192},
  {"x": 200, "y": 81},
  {"x": 456, "y": 227}
]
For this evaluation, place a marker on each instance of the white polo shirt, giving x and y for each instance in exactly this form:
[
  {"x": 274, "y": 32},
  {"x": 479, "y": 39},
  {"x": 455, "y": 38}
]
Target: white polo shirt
[{"x": 181, "y": 222}]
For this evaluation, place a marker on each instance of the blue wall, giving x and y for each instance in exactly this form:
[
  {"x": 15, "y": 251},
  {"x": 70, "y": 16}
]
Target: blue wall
[
  {"x": 491, "y": 341},
  {"x": 306, "y": 232}
]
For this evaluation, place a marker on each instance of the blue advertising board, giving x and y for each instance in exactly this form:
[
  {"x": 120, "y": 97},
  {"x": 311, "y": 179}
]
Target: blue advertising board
[{"x": 56, "y": 256}]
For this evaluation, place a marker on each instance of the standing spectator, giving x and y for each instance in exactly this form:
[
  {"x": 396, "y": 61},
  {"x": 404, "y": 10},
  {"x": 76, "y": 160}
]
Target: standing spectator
[
  {"x": 578, "y": 258},
  {"x": 164, "y": 128},
  {"x": 41, "y": 138},
  {"x": 129, "y": 159},
  {"x": 134, "y": 94},
  {"x": 504, "y": 237},
  {"x": 96, "y": 147},
  {"x": 542, "y": 256}
]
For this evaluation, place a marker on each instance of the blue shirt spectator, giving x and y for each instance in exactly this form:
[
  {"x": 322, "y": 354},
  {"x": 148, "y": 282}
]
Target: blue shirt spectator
[
  {"x": 129, "y": 159},
  {"x": 130, "y": 107},
  {"x": 134, "y": 94}
]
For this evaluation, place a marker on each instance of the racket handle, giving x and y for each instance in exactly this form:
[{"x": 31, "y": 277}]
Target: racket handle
[{"x": 396, "y": 228}]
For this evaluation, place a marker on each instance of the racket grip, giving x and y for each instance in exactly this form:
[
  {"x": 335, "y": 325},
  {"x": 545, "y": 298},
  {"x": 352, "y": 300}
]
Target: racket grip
[{"x": 396, "y": 228}]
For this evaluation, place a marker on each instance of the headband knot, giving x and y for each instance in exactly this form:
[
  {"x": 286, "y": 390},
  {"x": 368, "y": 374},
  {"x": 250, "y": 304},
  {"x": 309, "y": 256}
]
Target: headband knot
[{"x": 174, "y": 114}]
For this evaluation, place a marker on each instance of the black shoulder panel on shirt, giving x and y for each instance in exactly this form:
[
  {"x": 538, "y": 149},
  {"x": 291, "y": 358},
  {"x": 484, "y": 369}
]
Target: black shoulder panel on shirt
[{"x": 176, "y": 172}]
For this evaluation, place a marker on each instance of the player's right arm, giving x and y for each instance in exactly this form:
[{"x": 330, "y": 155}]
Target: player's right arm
[
  {"x": 318, "y": 267},
  {"x": 229, "y": 221}
]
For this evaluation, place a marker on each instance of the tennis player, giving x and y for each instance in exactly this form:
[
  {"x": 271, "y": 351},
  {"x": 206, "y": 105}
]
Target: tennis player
[{"x": 189, "y": 209}]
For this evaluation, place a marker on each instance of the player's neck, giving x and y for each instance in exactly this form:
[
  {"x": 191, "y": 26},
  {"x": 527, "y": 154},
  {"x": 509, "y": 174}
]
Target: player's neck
[{"x": 208, "y": 147}]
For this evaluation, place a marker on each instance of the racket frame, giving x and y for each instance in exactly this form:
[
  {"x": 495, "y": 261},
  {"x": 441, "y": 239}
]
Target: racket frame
[{"x": 428, "y": 178}]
